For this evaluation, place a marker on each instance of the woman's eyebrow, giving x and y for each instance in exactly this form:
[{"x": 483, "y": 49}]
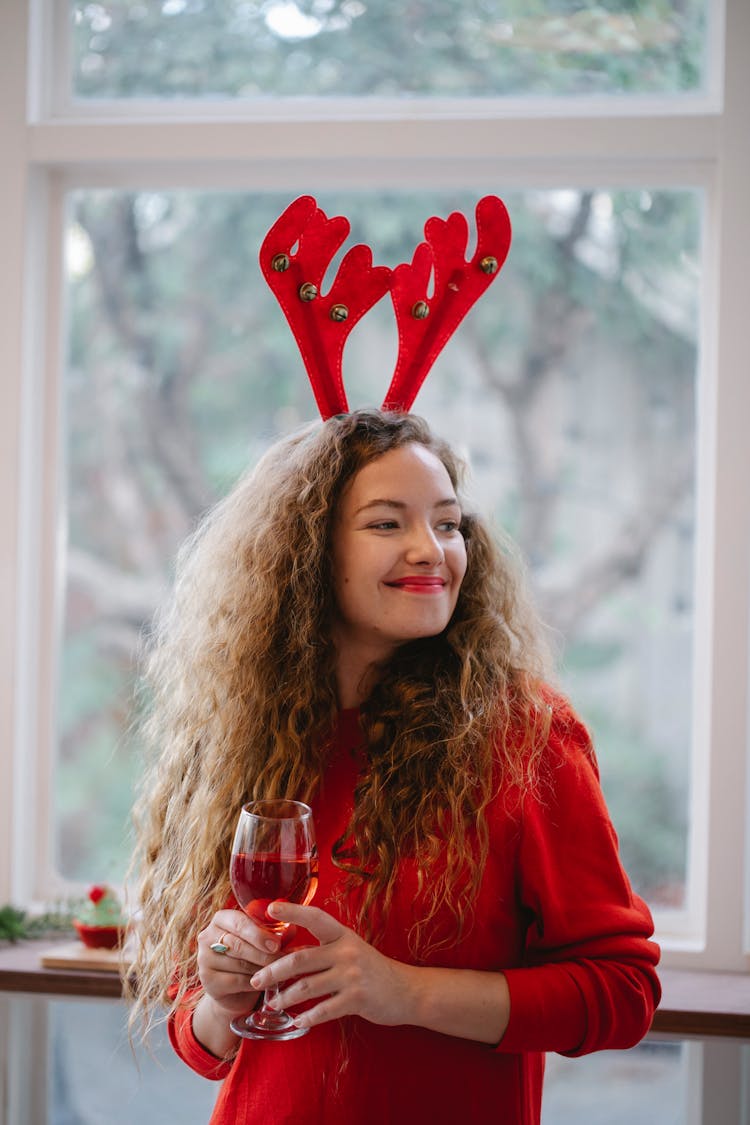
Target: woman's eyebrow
[{"x": 448, "y": 502}]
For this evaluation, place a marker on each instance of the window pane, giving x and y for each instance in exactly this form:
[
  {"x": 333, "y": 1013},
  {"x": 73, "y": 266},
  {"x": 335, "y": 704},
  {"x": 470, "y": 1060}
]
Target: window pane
[
  {"x": 648, "y": 1083},
  {"x": 571, "y": 387},
  {"x": 242, "y": 49},
  {"x": 96, "y": 1075}
]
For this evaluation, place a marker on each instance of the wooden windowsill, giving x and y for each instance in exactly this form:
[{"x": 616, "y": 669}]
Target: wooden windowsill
[
  {"x": 694, "y": 1003},
  {"x": 703, "y": 1004},
  {"x": 21, "y": 971}
]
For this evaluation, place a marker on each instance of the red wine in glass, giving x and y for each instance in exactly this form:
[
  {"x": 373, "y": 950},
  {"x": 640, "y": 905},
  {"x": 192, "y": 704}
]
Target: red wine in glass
[
  {"x": 273, "y": 857},
  {"x": 259, "y": 879}
]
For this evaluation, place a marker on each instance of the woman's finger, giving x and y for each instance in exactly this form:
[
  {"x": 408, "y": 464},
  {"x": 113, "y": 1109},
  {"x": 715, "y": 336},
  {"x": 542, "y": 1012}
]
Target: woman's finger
[
  {"x": 243, "y": 947},
  {"x": 311, "y": 918},
  {"x": 311, "y": 959},
  {"x": 305, "y": 989},
  {"x": 231, "y": 984},
  {"x": 332, "y": 1008},
  {"x": 231, "y": 933},
  {"x": 228, "y": 964}
]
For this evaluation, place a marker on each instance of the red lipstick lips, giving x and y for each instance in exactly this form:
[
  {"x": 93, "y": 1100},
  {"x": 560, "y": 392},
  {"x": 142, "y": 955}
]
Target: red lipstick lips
[{"x": 419, "y": 583}]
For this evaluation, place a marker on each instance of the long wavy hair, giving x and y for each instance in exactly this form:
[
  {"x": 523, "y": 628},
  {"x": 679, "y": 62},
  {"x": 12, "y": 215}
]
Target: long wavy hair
[{"x": 239, "y": 684}]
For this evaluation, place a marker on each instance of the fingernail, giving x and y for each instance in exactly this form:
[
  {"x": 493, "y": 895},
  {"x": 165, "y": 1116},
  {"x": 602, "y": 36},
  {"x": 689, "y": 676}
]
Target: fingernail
[
  {"x": 256, "y": 980},
  {"x": 271, "y": 946}
]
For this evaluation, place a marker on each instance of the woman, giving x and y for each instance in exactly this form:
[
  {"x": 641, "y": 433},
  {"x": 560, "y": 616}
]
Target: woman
[{"x": 344, "y": 632}]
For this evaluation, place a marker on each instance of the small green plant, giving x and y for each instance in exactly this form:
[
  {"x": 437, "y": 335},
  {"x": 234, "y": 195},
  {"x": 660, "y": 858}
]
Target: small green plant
[
  {"x": 12, "y": 923},
  {"x": 17, "y": 925}
]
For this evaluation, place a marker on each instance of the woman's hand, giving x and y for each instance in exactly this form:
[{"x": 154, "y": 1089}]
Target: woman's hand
[
  {"x": 226, "y": 976},
  {"x": 347, "y": 976},
  {"x": 344, "y": 972}
]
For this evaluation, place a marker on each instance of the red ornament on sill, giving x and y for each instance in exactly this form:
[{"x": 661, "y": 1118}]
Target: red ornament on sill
[{"x": 100, "y": 924}]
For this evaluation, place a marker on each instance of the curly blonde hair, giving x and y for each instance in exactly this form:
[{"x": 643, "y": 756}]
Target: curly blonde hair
[{"x": 239, "y": 678}]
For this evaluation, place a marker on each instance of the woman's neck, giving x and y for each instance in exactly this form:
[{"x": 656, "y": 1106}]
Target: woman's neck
[
  {"x": 353, "y": 684},
  {"x": 357, "y": 672}
]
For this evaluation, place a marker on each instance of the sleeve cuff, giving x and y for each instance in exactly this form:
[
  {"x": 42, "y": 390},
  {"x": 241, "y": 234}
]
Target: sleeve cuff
[
  {"x": 191, "y": 1051},
  {"x": 547, "y": 1011}
]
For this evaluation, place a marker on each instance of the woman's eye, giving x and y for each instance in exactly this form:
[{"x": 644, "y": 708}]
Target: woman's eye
[
  {"x": 384, "y": 525},
  {"x": 448, "y": 525}
]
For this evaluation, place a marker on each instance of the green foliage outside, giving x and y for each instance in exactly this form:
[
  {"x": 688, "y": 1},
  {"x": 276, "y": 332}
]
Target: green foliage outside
[
  {"x": 648, "y": 803},
  {"x": 327, "y": 48}
]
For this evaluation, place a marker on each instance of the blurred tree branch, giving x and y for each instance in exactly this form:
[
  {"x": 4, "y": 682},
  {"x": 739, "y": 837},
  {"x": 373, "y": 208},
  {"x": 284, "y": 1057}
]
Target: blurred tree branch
[
  {"x": 559, "y": 323},
  {"x": 132, "y": 306},
  {"x": 564, "y": 607}
]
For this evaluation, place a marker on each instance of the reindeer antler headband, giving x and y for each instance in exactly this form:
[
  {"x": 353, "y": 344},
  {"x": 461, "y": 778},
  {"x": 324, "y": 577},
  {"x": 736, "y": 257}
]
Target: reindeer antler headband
[{"x": 321, "y": 324}]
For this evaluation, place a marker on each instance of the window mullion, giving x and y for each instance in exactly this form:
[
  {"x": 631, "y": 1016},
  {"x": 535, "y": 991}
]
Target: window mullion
[
  {"x": 727, "y": 577},
  {"x": 13, "y": 211},
  {"x": 731, "y": 586},
  {"x": 548, "y": 142}
]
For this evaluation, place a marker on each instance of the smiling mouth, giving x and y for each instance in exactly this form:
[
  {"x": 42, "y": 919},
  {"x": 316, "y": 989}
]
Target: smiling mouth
[{"x": 419, "y": 583}]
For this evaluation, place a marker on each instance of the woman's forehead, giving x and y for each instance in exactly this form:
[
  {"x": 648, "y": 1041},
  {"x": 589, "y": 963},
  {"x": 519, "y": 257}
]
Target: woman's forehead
[{"x": 400, "y": 470}]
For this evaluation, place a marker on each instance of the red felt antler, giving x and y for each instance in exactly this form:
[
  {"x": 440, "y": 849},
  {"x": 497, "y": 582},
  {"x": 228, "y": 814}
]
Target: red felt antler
[
  {"x": 426, "y": 324},
  {"x": 321, "y": 324}
]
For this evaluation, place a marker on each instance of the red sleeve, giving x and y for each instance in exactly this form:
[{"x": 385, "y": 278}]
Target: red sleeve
[
  {"x": 190, "y": 1050},
  {"x": 588, "y": 981}
]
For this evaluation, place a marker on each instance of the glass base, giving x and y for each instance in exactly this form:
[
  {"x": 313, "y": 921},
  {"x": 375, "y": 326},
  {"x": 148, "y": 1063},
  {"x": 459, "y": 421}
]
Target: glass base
[{"x": 272, "y": 1026}]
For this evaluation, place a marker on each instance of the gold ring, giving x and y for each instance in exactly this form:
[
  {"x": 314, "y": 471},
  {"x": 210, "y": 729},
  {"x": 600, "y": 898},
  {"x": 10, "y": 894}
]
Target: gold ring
[{"x": 220, "y": 946}]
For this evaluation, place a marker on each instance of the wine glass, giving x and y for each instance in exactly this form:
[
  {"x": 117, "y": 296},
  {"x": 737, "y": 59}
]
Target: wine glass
[{"x": 273, "y": 857}]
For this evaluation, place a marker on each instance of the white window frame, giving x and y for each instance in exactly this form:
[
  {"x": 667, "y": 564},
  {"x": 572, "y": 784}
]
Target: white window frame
[{"x": 51, "y": 146}]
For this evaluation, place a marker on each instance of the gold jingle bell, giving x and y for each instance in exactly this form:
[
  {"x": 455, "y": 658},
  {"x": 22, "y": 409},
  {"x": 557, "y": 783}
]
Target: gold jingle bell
[
  {"x": 339, "y": 312},
  {"x": 420, "y": 310},
  {"x": 308, "y": 291},
  {"x": 488, "y": 264},
  {"x": 280, "y": 263}
]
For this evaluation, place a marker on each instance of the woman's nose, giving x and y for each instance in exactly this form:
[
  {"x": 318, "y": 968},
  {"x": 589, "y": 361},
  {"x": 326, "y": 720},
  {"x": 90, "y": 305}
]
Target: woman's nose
[{"x": 424, "y": 547}]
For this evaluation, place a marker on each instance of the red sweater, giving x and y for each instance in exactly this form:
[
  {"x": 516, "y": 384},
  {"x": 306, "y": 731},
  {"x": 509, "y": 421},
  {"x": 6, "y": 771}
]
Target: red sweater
[{"x": 555, "y": 913}]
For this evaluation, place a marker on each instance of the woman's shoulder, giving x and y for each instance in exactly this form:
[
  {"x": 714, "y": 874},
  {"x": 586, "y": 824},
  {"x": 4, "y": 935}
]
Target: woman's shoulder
[
  {"x": 547, "y": 717},
  {"x": 545, "y": 738},
  {"x": 568, "y": 770},
  {"x": 569, "y": 737}
]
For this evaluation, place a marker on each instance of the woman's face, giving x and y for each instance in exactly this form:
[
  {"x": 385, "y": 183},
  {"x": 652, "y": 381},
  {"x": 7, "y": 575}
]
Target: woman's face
[{"x": 398, "y": 556}]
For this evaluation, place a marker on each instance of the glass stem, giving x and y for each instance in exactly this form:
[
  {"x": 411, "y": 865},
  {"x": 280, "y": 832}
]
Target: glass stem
[{"x": 270, "y": 994}]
